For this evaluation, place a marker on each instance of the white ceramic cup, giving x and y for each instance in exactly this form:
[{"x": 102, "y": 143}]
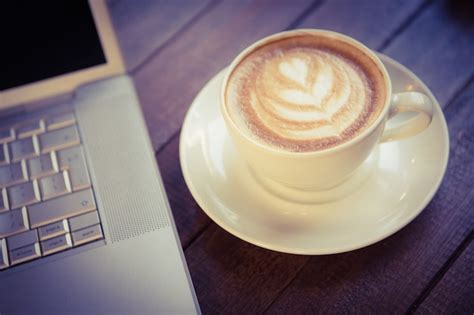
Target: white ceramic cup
[{"x": 324, "y": 169}]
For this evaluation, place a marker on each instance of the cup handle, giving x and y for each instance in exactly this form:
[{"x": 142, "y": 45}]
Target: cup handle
[{"x": 408, "y": 102}]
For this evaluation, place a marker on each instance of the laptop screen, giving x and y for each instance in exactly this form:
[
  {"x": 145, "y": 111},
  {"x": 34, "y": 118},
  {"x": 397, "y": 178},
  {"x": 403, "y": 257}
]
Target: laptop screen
[{"x": 44, "y": 39}]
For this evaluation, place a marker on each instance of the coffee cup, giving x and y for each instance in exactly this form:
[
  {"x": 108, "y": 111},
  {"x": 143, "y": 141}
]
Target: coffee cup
[{"x": 305, "y": 108}]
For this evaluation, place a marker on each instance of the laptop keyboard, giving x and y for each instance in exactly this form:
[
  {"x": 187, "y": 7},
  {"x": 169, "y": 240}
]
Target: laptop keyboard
[{"x": 47, "y": 203}]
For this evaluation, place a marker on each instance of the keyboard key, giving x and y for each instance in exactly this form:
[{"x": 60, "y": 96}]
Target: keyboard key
[
  {"x": 3, "y": 254},
  {"x": 73, "y": 160},
  {"x": 26, "y": 253},
  {"x": 3, "y": 154},
  {"x": 54, "y": 186},
  {"x": 56, "y": 244},
  {"x": 23, "y": 194},
  {"x": 6, "y": 135},
  {"x": 13, "y": 222},
  {"x": 12, "y": 174},
  {"x": 24, "y": 148},
  {"x": 60, "y": 121},
  {"x": 30, "y": 128},
  {"x": 42, "y": 165},
  {"x": 23, "y": 239},
  {"x": 59, "y": 139},
  {"x": 3, "y": 200},
  {"x": 83, "y": 221},
  {"x": 87, "y": 235},
  {"x": 61, "y": 208},
  {"x": 53, "y": 230}
]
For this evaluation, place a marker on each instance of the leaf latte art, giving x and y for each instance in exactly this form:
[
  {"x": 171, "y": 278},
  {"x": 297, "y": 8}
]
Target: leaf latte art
[{"x": 300, "y": 97}]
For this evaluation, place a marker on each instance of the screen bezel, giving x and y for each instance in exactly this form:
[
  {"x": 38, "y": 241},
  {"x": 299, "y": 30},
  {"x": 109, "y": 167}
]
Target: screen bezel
[{"x": 68, "y": 82}]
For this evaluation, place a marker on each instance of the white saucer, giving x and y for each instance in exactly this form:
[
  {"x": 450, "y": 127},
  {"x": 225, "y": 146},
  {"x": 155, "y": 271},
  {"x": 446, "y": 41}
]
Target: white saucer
[{"x": 394, "y": 185}]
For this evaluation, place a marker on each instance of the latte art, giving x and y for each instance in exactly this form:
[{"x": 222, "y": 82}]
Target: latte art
[
  {"x": 301, "y": 95},
  {"x": 307, "y": 96}
]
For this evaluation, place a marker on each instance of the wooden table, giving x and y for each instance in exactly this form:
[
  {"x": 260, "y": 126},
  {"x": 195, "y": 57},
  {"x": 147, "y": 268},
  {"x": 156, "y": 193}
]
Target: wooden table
[{"x": 173, "y": 48}]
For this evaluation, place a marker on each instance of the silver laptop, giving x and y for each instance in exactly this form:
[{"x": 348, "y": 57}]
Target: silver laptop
[{"x": 85, "y": 226}]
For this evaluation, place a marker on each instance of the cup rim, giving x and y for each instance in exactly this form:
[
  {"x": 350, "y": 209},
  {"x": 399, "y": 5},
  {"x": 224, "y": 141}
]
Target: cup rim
[{"x": 285, "y": 34}]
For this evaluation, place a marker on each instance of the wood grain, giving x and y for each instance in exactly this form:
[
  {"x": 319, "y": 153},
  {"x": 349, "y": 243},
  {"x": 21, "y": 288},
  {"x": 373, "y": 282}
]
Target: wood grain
[
  {"x": 169, "y": 82},
  {"x": 234, "y": 277},
  {"x": 454, "y": 294},
  {"x": 390, "y": 275},
  {"x": 439, "y": 47},
  {"x": 371, "y": 22},
  {"x": 143, "y": 26}
]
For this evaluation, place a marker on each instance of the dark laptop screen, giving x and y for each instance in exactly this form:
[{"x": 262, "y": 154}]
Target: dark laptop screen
[{"x": 43, "y": 39}]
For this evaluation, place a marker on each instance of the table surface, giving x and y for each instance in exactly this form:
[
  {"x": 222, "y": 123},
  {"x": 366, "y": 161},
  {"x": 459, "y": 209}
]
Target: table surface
[{"x": 172, "y": 48}]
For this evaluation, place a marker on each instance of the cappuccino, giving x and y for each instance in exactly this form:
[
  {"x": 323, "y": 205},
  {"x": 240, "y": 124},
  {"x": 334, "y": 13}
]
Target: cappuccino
[{"x": 305, "y": 93}]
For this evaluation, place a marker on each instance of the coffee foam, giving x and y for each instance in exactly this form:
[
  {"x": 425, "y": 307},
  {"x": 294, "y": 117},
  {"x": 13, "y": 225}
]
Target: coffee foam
[{"x": 305, "y": 93}]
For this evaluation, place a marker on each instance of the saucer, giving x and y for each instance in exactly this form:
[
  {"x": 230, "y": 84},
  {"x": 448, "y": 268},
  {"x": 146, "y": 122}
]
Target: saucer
[{"x": 390, "y": 189}]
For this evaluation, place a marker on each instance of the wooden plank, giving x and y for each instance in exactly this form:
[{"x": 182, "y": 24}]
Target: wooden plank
[
  {"x": 439, "y": 47},
  {"x": 234, "y": 277},
  {"x": 390, "y": 275},
  {"x": 142, "y": 26},
  {"x": 371, "y": 22},
  {"x": 190, "y": 219},
  {"x": 169, "y": 82},
  {"x": 454, "y": 294}
]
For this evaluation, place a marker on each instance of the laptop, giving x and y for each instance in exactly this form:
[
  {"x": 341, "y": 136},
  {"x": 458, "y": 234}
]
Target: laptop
[{"x": 85, "y": 225}]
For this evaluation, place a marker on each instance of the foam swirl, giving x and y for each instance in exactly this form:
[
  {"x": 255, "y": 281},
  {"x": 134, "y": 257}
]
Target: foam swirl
[{"x": 302, "y": 99}]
